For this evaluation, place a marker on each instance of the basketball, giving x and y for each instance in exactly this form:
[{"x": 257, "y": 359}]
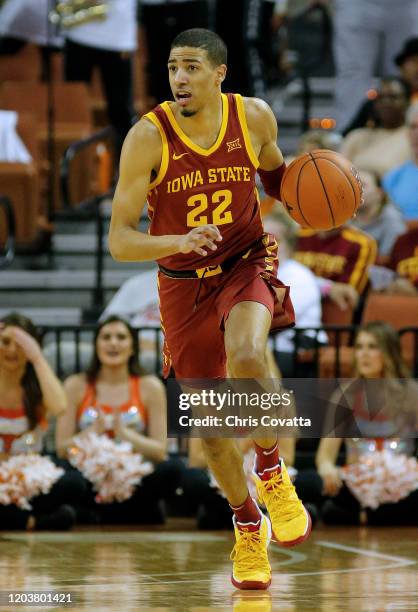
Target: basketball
[{"x": 321, "y": 190}]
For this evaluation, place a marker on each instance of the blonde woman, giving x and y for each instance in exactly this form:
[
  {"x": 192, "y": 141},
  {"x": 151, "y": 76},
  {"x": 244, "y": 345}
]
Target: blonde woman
[{"x": 383, "y": 402}]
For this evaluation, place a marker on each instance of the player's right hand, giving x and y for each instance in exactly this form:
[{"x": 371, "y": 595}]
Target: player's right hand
[{"x": 199, "y": 239}]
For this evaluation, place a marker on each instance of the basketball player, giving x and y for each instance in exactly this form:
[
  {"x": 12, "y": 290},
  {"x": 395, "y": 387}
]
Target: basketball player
[{"x": 195, "y": 159}]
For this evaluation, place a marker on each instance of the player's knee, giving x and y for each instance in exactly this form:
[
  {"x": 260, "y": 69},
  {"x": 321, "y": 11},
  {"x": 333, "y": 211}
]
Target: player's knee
[{"x": 247, "y": 362}]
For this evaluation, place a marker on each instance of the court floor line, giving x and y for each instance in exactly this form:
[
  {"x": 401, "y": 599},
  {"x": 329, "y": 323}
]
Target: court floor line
[
  {"x": 365, "y": 552},
  {"x": 350, "y": 570},
  {"x": 287, "y": 575},
  {"x": 393, "y": 562},
  {"x": 396, "y": 562}
]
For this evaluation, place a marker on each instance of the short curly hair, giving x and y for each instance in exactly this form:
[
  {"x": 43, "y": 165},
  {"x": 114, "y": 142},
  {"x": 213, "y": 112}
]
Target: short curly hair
[{"x": 203, "y": 39}]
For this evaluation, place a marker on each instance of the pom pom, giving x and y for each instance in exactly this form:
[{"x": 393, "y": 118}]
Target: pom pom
[
  {"x": 25, "y": 476},
  {"x": 381, "y": 477},
  {"x": 113, "y": 469}
]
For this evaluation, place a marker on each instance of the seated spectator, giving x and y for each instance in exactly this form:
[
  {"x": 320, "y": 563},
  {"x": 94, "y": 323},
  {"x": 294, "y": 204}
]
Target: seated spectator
[
  {"x": 407, "y": 60},
  {"x": 137, "y": 301},
  {"x": 316, "y": 139},
  {"x": 304, "y": 290},
  {"x": 30, "y": 392},
  {"x": 380, "y": 148},
  {"x": 401, "y": 183},
  {"x": 113, "y": 400},
  {"x": 363, "y": 485},
  {"x": 404, "y": 261},
  {"x": 340, "y": 258},
  {"x": 377, "y": 216}
]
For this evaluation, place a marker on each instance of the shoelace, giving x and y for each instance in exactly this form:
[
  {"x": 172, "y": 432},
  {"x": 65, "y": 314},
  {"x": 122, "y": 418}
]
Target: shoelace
[
  {"x": 247, "y": 545},
  {"x": 289, "y": 505}
]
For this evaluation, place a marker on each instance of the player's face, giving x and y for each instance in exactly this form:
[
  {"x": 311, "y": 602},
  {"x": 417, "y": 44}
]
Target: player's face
[
  {"x": 368, "y": 356},
  {"x": 114, "y": 344},
  {"x": 12, "y": 356},
  {"x": 193, "y": 79}
]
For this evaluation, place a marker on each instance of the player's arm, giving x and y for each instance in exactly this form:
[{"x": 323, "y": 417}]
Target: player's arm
[
  {"x": 262, "y": 126},
  {"x": 140, "y": 158}
]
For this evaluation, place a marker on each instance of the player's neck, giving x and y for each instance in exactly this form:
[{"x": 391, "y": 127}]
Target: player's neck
[{"x": 207, "y": 120}]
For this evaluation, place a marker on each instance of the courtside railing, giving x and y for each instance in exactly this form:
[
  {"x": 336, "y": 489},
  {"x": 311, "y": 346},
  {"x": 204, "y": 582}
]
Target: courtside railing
[
  {"x": 8, "y": 252},
  {"x": 69, "y": 349}
]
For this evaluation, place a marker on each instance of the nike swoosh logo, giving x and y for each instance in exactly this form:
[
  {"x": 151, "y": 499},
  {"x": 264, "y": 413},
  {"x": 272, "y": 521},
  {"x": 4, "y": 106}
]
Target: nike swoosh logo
[{"x": 176, "y": 157}]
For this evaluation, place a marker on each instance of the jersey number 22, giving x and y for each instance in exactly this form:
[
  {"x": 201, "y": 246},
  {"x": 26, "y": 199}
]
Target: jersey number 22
[{"x": 200, "y": 203}]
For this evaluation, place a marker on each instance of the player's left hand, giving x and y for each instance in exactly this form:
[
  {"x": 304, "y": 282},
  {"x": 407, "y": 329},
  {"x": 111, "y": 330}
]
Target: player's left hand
[
  {"x": 199, "y": 239},
  {"x": 27, "y": 343}
]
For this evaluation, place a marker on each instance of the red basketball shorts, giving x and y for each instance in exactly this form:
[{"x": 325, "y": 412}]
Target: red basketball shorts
[{"x": 194, "y": 336}]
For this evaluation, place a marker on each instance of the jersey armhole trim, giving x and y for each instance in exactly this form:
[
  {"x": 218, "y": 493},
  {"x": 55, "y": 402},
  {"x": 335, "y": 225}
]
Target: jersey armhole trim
[
  {"x": 245, "y": 131},
  {"x": 164, "y": 155}
]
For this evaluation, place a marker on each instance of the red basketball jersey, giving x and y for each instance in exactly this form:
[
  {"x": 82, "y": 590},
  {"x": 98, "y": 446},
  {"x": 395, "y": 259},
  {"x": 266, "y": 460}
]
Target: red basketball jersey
[
  {"x": 404, "y": 257},
  {"x": 197, "y": 186},
  {"x": 343, "y": 256}
]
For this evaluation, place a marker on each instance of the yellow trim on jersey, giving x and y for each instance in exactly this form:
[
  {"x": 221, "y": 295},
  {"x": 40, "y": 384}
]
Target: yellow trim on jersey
[
  {"x": 367, "y": 256},
  {"x": 164, "y": 155},
  {"x": 306, "y": 233},
  {"x": 187, "y": 141},
  {"x": 166, "y": 354},
  {"x": 257, "y": 196},
  {"x": 245, "y": 131}
]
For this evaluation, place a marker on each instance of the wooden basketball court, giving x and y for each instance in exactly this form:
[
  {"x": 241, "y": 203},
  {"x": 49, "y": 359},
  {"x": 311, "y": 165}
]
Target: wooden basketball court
[{"x": 176, "y": 568}]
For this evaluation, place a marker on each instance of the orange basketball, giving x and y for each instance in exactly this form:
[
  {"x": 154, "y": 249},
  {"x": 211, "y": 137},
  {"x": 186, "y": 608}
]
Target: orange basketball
[{"x": 321, "y": 190}]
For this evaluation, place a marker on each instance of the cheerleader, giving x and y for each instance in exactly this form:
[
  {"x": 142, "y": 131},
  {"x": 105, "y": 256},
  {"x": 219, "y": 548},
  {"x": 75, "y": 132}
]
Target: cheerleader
[
  {"x": 378, "y": 483},
  {"x": 115, "y": 430},
  {"x": 34, "y": 493}
]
